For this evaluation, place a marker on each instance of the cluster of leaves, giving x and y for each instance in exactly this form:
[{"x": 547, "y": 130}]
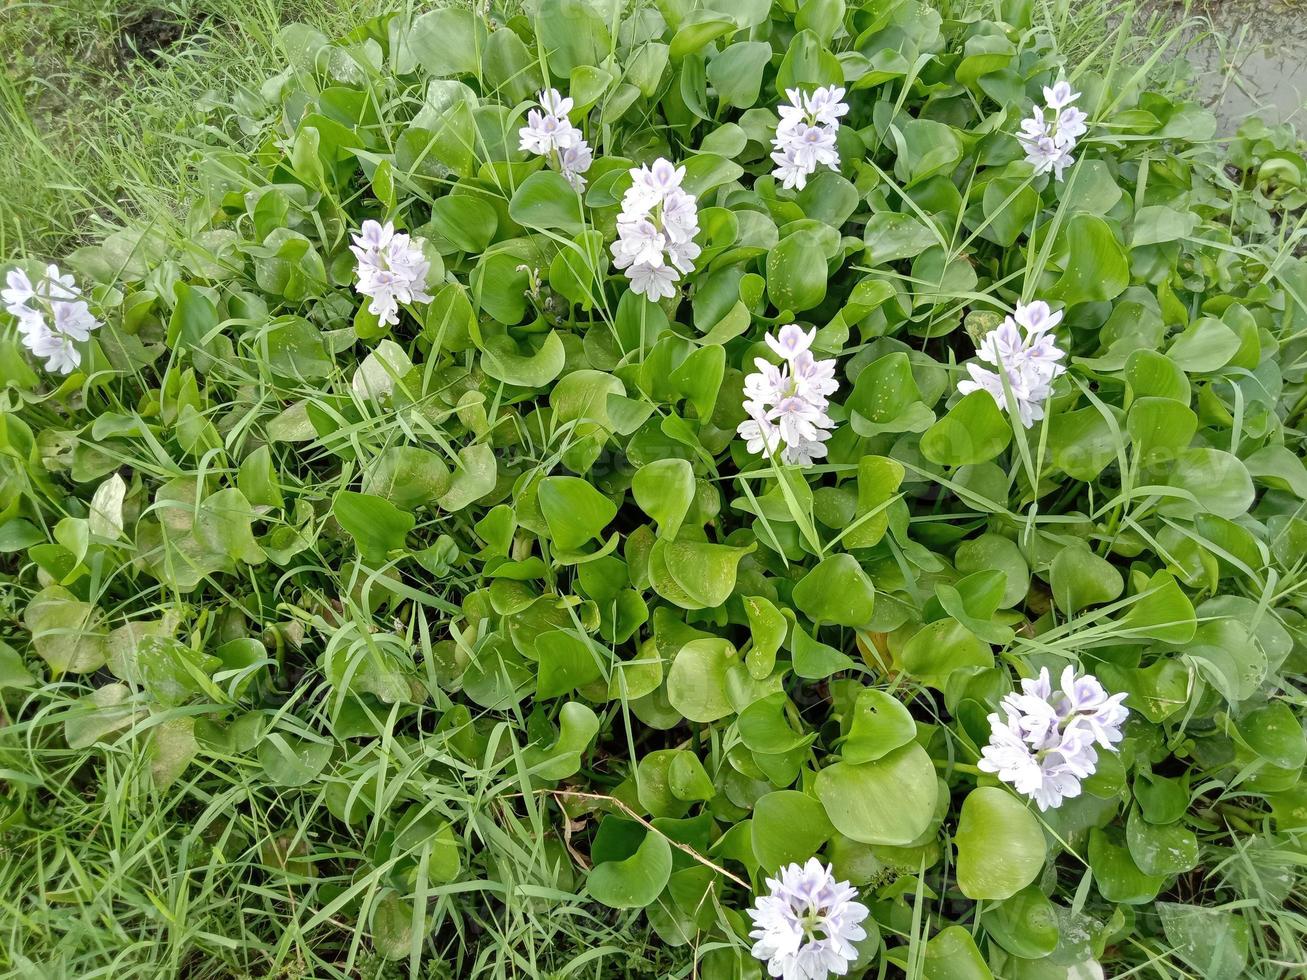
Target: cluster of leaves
[{"x": 493, "y": 607}]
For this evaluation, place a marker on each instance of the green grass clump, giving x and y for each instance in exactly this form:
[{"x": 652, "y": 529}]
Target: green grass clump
[{"x": 480, "y": 643}]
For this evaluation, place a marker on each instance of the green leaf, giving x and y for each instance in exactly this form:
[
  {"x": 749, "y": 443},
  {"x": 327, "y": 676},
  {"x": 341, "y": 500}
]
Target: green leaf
[
  {"x": 408, "y": 477},
  {"x": 951, "y": 954},
  {"x": 94, "y": 716},
  {"x": 68, "y": 634},
  {"x": 466, "y": 222},
  {"x": 577, "y": 727},
  {"x": 1217, "y": 480},
  {"x": 1163, "y": 850},
  {"x": 1096, "y": 267},
  {"x": 880, "y": 723},
  {"x": 814, "y": 660},
  {"x": 939, "y": 649},
  {"x": 567, "y": 661},
  {"x": 505, "y": 360},
  {"x": 377, "y": 526},
  {"x": 836, "y": 591},
  {"x": 889, "y": 801},
  {"x": 926, "y": 148},
  {"x": 289, "y": 760},
  {"x": 664, "y": 489},
  {"x": 547, "y": 201},
  {"x": 1025, "y": 925},
  {"x": 1117, "y": 876},
  {"x": 442, "y": 42},
  {"x": 768, "y": 628},
  {"x": 638, "y": 880},
  {"x": 973, "y": 431},
  {"x": 1161, "y": 611},
  {"x": 796, "y": 273},
  {"x": 736, "y": 73},
  {"x": 1214, "y": 942},
  {"x": 890, "y": 236},
  {"x": 1080, "y": 578},
  {"x": 694, "y": 574},
  {"x": 788, "y": 827},
  {"x": 697, "y": 681},
  {"x": 574, "y": 510},
  {"x": 571, "y": 33},
  {"x": 1000, "y": 845}
]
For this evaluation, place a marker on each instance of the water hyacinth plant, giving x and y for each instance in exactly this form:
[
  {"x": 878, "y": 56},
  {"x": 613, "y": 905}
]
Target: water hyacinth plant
[{"x": 675, "y": 491}]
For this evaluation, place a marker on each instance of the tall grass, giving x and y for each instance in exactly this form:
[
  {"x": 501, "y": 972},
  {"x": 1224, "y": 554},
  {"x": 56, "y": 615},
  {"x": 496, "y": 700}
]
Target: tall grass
[{"x": 101, "y": 102}]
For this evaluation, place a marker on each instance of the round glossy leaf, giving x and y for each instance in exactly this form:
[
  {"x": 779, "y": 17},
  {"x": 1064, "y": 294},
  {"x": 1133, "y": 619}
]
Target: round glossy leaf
[
  {"x": 837, "y": 591},
  {"x": 889, "y": 801},
  {"x": 1000, "y": 845},
  {"x": 973, "y": 431},
  {"x": 787, "y": 827},
  {"x": 880, "y": 724},
  {"x": 636, "y": 881},
  {"x": 696, "y": 683},
  {"x": 1081, "y": 578}
]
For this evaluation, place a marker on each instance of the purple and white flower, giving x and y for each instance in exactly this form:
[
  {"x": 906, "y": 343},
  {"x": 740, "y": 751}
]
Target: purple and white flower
[
  {"x": 806, "y": 926},
  {"x": 787, "y": 404},
  {"x": 1025, "y": 352},
  {"x": 392, "y": 269},
  {"x": 1046, "y": 740},
  {"x": 549, "y": 133},
  {"x": 1049, "y": 134},
  {"x": 655, "y": 230},
  {"x": 52, "y": 316},
  {"x": 805, "y": 136}
]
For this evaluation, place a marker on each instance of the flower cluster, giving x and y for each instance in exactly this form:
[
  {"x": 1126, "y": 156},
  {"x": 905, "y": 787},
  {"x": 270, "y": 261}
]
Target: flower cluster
[
  {"x": 550, "y": 134},
  {"x": 787, "y": 404},
  {"x": 391, "y": 270},
  {"x": 1049, "y": 135},
  {"x": 1024, "y": 349},
  {"x": 805, "y": 137},
  {"x": 1044, "y": 743},
  {"x": 805, "y": 929},
  {"x": 52, "y": 316},
  {"x": 656, "y": 229}
]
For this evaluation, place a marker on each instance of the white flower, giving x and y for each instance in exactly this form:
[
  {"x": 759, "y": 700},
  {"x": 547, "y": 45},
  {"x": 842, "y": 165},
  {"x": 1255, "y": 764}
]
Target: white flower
[
  {"x": 805, "y": 136},
  {"x": 805, "y": 929},
  {"x": 52, "y": 316},
  {"x": 787, "y": 405},
  {"x": 1025, "y": 351},
  {"x": 554, "y": 103},
  {"x": 655, "y": 230},
  {"x": 392, "y": 269},
  {"x": 549, "y": 133},
  {"x": 1049, "y": 144},
  {"x": 653, "y": 281},
  {"x": 762, "y": 438},
  {"x": 575, "y": 161},
  {"x": 825, "y": 107},
  {"x": 1060, "y": 95},
  {"x": 1043, "y": 744}
]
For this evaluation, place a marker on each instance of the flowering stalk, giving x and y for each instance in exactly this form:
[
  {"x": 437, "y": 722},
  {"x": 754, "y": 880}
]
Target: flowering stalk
[
  {"x": 806, "y": 927},
  {"x": 656, "y": 229},
  {"x": 391, "y": 269},
  {"x": 1044, "y": 743},
  {"x": 1024, "y": 349},
  {"x": 787, "y": 404},
  {"x": 805, "y": 137},
  {"x": 550, "y": 134},
  {"x": 52, "y": 316},
  {"x": 1049, "y": 135}
]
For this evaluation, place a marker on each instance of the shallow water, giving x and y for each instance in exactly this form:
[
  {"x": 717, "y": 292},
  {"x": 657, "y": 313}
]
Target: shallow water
[{"x": 1248, "y": 57}]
